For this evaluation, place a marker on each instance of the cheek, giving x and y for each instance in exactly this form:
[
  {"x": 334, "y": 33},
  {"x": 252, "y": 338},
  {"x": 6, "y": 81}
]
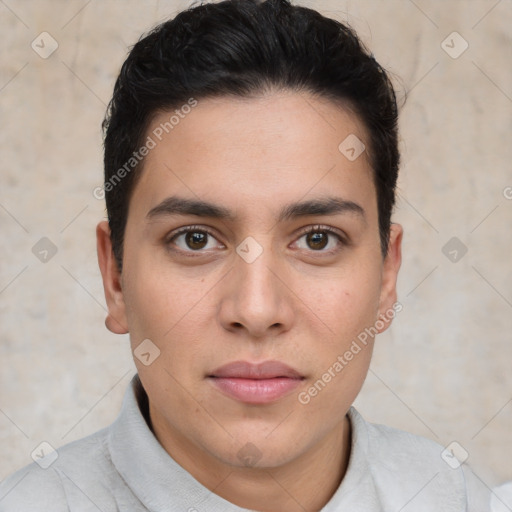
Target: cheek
[
  {"x": 170, "y": 310},
  {"x": 342, "y": 357},
  {"x": 156, "y": 300},
  {"x": 346, "y": 302}
]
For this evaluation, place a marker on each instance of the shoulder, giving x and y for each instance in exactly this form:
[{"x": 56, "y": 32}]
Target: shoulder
[
  {"x": 412, "y": 472},
  {"x": 32, "y": 488},
  {"x": 58, "y": 477}
]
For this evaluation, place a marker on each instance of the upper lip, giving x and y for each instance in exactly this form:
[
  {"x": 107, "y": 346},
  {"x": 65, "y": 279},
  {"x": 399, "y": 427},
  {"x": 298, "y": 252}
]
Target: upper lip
[{"x": 264, "y": 370}]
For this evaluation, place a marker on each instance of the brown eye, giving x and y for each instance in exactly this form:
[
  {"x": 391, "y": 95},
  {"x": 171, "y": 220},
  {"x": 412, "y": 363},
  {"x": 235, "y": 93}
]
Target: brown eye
[
  {"x": 320, "y": 239},
  {"x": 193, "y": 239},
  {"x": 196, "y": 240},
  {"x": 317, "y": 240}
]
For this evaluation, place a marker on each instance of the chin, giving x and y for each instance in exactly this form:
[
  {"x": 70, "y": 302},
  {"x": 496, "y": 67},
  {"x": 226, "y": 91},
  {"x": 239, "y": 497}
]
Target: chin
[{"x": 264, "y": 449}]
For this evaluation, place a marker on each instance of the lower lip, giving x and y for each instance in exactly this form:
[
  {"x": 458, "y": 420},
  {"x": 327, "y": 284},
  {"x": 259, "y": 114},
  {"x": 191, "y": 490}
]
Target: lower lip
[{"x": 256, "y": 391}]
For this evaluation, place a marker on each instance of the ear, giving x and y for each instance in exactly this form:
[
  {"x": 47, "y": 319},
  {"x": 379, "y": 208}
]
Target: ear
[
  {"x": 116, "y": 318},
  {"x": 392, "y": 262}
]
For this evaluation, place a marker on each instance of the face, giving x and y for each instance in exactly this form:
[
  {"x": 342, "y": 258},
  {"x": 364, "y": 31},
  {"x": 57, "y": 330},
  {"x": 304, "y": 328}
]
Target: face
[{"x": 252, "y": 261}]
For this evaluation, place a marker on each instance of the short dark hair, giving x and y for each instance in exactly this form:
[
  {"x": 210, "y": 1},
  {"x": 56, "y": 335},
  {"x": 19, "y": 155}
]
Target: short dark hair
[{"x": 244, "y": 48}]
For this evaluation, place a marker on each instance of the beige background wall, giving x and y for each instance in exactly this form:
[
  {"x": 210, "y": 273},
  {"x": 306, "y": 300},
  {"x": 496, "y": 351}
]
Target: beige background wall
[{"x": 444, "y": 368}]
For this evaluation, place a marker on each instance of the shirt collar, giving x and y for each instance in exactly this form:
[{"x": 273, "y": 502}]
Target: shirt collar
[
  {"x": 357, "y": 490},
  {"x": 157, "y": 480}
]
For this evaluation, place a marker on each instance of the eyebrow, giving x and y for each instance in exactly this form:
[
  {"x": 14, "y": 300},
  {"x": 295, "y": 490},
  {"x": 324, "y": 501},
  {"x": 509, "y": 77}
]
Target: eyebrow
[{"x": 324, "y": 206}]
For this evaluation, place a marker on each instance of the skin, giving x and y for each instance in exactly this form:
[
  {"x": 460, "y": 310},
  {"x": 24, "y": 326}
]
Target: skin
[{"x": 298, "y": 303}]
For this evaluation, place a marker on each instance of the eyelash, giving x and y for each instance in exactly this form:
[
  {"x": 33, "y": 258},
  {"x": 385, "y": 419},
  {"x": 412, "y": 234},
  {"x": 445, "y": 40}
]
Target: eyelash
[
  {"x": 188, "y": 229},
  {"x": 342, "y": 240},
  {"x": 306, "y": 231}
]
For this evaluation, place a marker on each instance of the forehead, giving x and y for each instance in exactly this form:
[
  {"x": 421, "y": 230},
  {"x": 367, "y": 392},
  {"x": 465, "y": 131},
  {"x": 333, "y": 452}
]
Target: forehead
[{"x": 261, "y": 152}]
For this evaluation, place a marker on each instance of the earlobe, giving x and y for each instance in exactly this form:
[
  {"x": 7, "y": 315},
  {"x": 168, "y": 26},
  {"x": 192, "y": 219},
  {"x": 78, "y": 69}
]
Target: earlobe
[
  {"x": 116, "y": 317},
  {"x": 391, "y": 266},
  {"x": 114, "y": 326}
]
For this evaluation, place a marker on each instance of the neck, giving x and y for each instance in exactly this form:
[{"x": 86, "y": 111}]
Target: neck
[{"x": 304, "y": 484}]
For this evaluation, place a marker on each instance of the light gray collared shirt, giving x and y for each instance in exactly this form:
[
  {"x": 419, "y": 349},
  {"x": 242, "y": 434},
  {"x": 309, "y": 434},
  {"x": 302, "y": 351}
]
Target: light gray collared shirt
[{"x": 123, "y": 468}]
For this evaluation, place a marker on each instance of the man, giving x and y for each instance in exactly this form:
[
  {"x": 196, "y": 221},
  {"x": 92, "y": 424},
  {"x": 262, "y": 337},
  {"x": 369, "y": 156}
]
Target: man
[{"x": 250, "y": 169}]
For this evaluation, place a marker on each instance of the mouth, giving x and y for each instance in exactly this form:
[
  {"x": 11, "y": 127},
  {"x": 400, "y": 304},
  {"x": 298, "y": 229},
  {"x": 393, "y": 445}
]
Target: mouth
[{"x": 256, "y": 383}]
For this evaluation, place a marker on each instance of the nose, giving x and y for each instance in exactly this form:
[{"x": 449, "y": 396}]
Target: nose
[{"x": 256, "y": 299}]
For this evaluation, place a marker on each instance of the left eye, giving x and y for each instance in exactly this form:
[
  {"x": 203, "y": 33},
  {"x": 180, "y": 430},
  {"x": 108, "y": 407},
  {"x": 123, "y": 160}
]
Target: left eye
[
  {"x": 194, "y": 240},
  {"x": 319, "y": 240}
]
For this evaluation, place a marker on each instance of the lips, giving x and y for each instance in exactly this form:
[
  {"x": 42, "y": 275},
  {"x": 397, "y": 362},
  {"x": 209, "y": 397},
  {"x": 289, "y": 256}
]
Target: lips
[
  {"x": 265, "y": 370},
  {"x": 255, "y": 383}
]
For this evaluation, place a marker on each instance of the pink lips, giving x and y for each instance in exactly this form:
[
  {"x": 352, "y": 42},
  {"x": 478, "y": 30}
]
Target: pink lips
[{"x": 256, "y": 383}]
